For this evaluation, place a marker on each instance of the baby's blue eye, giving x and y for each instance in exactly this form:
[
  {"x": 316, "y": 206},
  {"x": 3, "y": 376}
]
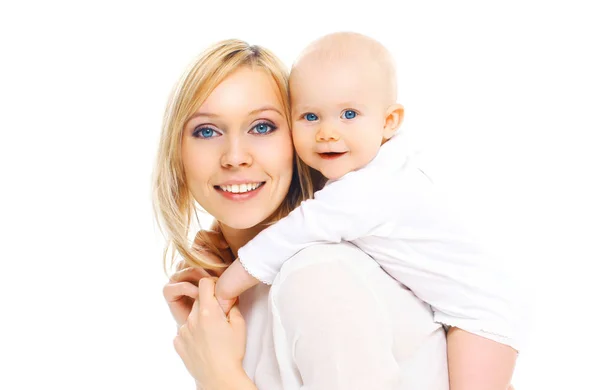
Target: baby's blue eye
[
  {"x": 263, "y": 128},
  {"x": 310, "y": 117},
  {"x": 349, "y": 114},
  {"x": 205, "y": 132}
]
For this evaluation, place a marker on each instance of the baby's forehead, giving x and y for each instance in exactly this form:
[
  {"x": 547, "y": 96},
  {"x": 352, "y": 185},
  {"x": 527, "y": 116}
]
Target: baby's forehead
[
  {"x": 346, "y": 55},
  {"x": 341, "y": 80},
  {"x": 339, "y": 74}
]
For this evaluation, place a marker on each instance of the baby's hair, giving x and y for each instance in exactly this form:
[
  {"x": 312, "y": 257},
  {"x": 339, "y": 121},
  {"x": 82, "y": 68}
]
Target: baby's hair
[{"x": 351, "y": 46}]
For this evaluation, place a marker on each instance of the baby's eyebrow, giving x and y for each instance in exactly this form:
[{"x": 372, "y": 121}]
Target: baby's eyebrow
[
  {"x": 349, "y": 104},
  {"x": 302, "y": 108},
  {"x": 341, "y": 106}
]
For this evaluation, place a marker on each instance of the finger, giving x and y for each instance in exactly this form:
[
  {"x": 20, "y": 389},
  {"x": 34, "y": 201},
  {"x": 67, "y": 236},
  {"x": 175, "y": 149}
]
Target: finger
[
  {"x": 180, "y": 339},
  {"x": 178, "y": 344},
  {"x": 206, "y": 290},
  {"x": 226, "y": 304},
  {"x": 207, "y": 303},
  {"x": 236, "y": 319},
  {"x": 175, "y": 291},
  {"x": 181, "y": 264},
  {"x": 193, "y": 313},
  {"x": 190, "y": 274},
  {"x": 234, "y": 281},
  {"x": 238, "y": 324}
]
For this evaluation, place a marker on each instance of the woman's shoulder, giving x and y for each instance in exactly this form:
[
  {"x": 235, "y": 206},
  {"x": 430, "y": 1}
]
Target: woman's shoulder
[
  {"x": 327, "y": 294},
  {"x": 320, "y": 257},
  {"x": 328, "y": 280},
  {"x": 325, "y": 285}
]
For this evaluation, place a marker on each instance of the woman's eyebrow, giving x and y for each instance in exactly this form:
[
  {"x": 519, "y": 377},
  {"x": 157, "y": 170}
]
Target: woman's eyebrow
[
  {"x": 253, "y": 112},
  {"x": 199, "y": 114},
  {"x": 265, "y": 108}
]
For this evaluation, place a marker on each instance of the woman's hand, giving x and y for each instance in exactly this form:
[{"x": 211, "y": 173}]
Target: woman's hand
[
  {"x": 182, "y": 289},
  {"x": 211, "y": 345}
]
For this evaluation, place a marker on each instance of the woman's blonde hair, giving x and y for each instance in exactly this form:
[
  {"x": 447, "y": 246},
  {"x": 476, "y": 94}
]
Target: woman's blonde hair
[{"x": 172, "y": 200}]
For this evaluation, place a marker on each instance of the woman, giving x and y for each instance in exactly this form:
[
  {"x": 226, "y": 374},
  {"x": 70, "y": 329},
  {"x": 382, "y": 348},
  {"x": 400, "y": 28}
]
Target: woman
[{"x": 332, "y": 319}]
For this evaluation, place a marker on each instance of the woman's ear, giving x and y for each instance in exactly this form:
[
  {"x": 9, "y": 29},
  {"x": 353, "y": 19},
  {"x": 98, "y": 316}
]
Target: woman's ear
[{"x": 393, "y": 119}]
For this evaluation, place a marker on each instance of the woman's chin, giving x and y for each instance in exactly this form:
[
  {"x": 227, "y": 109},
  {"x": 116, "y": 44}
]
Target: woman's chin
[{"x": 243, "y": 222}]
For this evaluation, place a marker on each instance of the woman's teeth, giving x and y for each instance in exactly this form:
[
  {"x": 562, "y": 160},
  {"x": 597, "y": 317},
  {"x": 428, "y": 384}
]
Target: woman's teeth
[{"x": 240, "y": 188}]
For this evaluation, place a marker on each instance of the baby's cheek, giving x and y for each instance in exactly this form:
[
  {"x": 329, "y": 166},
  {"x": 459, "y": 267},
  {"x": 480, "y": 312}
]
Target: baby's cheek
[{"x": 300, "y": 139}]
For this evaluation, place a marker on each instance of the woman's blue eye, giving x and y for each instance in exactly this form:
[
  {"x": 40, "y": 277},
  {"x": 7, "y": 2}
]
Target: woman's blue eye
[
  {"x": 310, "y": 117},
  {"x": 205, "y": 132},
  {"x": 349, "y": 114},
  {"x": 263, "y": 128}
]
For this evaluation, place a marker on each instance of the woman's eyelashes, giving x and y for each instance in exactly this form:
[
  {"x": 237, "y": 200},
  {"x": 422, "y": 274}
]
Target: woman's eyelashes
[
  {"x": 205, "y": 132},
  {"x": 263, "y": 128}
]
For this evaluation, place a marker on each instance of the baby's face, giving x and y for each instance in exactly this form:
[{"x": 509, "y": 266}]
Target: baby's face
[{"x": 338, "y": 114}]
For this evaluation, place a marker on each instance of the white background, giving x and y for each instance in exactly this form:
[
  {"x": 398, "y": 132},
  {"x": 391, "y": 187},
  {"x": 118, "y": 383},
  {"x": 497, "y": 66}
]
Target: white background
[{"x": 503, "y": 97}]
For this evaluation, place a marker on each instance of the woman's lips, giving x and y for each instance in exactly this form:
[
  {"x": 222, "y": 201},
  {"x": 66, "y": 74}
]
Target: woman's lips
[
  {"x": 331, "y": 155},
  {"x": 240, "y": 196}
]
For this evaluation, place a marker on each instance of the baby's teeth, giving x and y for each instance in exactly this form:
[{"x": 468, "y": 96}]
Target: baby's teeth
[
  {"x": 243, "y": 188},
  {"x": 235, "y": 188}
]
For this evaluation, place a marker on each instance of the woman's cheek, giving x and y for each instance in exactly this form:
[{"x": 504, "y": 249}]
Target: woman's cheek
[
  {"x": 199, "y": 165},
  {"x": 285, "y": 156}
]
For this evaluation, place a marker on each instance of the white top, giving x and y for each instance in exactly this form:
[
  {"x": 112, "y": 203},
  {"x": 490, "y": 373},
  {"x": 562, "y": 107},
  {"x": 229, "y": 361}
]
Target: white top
[
  {"x": 391, "y": 210},
  {"x": 333, "y": 319}
]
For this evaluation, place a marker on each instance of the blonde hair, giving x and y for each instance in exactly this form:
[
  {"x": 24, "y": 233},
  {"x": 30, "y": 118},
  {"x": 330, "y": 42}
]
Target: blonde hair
[{"x": 172, "y": 200}]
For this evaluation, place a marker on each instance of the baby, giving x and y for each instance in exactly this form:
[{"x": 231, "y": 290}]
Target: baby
[{"x": 344, "y": 123}]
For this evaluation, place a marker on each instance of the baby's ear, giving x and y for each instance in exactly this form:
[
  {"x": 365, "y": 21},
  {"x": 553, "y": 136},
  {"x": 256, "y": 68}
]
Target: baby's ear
[{"x": 393, "y": 119}]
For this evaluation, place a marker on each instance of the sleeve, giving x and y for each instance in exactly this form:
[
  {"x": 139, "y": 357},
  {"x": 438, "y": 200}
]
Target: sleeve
[
  {"x": 331, "y": 332},
  {"x": 344, "y": 210},
  {"x": 439, "y": 256}
]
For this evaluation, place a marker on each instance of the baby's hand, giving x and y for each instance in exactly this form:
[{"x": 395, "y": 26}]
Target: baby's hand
[{"x": 234, "y": 281}]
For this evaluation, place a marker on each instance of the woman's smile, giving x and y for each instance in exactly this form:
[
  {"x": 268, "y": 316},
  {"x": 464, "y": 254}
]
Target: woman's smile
[
  {"x": 236, "y": 151},
  {"x": 240, "y": 191}
]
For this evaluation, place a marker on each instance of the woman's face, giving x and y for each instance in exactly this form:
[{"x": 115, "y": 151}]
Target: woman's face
[{"x": 237, "y": 150}]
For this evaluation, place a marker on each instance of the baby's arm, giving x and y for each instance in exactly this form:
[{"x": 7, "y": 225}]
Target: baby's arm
[
  {"x": 340, "y": 211},
  {"x": 232, "y": 283},
  {"x": 438, "y": 258},
  {"x": 343, "y": 210}
]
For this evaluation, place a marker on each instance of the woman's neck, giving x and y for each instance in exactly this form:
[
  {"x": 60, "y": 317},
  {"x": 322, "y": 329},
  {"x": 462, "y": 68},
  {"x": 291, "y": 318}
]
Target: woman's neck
[{"x": 237, "y": 238}]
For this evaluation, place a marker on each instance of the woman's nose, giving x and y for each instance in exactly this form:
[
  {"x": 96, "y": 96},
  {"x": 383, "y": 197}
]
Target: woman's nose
[
  {"x": 327, "y": 134},
  {"x": 237, "y": 153}
]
